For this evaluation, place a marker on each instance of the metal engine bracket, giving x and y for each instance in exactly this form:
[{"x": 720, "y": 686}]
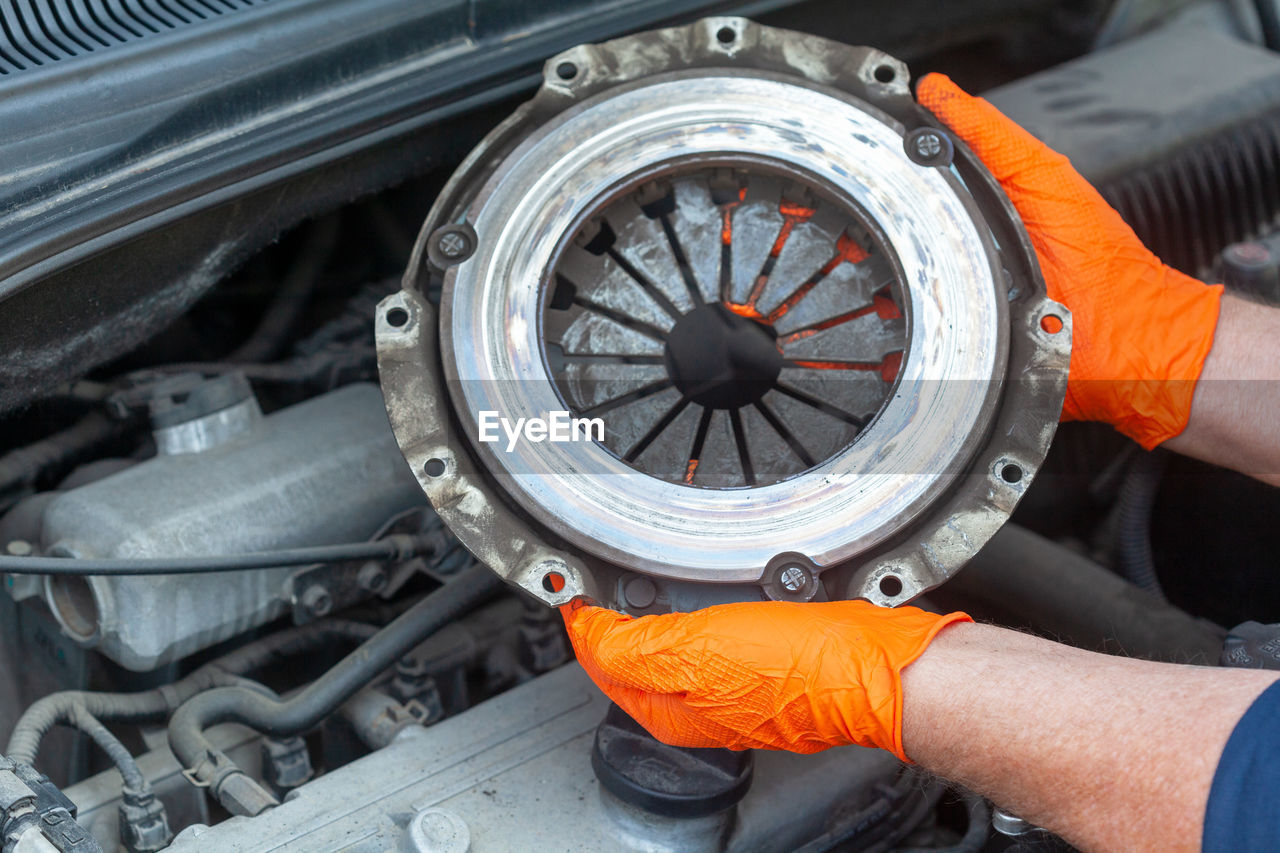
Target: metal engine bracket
[{"x": 810, "y": 323}]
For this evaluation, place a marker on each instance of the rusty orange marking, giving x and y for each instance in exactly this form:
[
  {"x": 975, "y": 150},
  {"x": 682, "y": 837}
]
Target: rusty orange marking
[
  {"x": 757, "y": 290},
  {"x": 809, "y": 331},
  {"x": 885, "y": 307},
  {"x": 888, "y": 368},
  {"x": 748, "y": 311},
  {"x": 891, "y": 365},
  {"x": 797, "y": 336},
  {"x": 848, "y": 249},
  {"x": 792, "y": 215},
  {"x": 796, "y": 295},
  {"x": 839, "y": 365},
  {"x": 795, "y": 211},
  {"x": 726, "y": 229},
  {"x": 690, "y": 470}
]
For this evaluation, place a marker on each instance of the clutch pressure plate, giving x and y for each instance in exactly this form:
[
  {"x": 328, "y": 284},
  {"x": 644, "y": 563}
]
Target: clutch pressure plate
[{"x": 723, "y": 313}]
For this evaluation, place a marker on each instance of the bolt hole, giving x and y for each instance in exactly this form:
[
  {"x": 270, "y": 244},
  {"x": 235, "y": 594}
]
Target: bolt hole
[
  {"x": 397, "y": 317},
  {"x": 75, "y": 605},
  {"x": 434, "y": 467},
  {"x": 1011, "y": 473},
  {"x": 891, "y": 586},
  {"x": 1051, "y": 323},
  {"x": 566, "y": 71},
  {"x": 885, "y": 73},
  {"x": 726, "y": 35},
  {"x": 553, "y": 581}
]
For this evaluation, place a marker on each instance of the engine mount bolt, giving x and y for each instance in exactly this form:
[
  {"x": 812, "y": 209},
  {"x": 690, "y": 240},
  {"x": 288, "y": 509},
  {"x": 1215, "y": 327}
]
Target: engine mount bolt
[
  {"x": 928, "y": 147},
  {"x": 316, "y": 600},
  {"x": 793, "y": 578}
]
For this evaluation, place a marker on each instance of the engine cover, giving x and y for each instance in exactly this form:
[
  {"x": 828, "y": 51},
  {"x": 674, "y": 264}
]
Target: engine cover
[{"x": 790, "y": 335}]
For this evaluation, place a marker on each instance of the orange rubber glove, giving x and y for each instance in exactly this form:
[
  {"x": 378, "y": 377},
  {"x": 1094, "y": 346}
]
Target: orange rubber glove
[
  {"x": 1140, "y": 330},
  {"x": 759, "y": 675}
]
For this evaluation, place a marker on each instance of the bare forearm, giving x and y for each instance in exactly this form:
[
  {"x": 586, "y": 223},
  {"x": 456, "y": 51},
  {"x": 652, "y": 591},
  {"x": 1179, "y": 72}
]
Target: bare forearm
[
  {"x": 1080, "y": 743},
  {"x": 1237, "y": 400}
]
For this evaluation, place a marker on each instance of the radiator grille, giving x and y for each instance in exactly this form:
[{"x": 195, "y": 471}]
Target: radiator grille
[
  {"x": 34, "y": 33},
  {"x": 1188, "y": 208}
]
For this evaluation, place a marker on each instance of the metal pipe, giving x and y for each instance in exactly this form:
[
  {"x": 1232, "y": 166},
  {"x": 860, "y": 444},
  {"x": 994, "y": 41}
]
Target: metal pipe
[
  {"x": 976, "y": 830},
  {"x": 397, "y": 547}
]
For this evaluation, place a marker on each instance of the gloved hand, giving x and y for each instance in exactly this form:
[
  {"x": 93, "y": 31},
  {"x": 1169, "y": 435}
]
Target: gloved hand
[
  {"x": 759, "y": 675},
  {"x": 1141, "y": 331}
]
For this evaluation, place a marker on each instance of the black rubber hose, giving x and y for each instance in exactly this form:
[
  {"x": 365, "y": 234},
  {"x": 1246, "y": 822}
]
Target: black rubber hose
[
  {"x": 230, "y": 785},
  {"x": 975, "y": 834},
  {"x": 21, "y": 468},
  {"x": 398, "y": 547},
  {"x": 1022, "y": 580},
  {"x": 1269, "y": 20},
  {"x": 134, "y": 781},
  {"x": 1136, "y": 501},
  {"x": 152, "y": 706},
  {"x": 292, "y": 296}
]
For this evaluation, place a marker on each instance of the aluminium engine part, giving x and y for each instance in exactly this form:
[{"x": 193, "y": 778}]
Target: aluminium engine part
[
  {"x": 321, "y": 472},
  {"x": 810, "y": 326},
  {"x": 516, "y": 772}
]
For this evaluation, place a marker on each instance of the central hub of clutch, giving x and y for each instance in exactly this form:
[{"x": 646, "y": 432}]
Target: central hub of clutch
[{"x": 720, "y": 360}]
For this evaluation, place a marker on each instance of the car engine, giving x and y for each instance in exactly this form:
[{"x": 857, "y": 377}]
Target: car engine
[{"x": 346, "y": 341}]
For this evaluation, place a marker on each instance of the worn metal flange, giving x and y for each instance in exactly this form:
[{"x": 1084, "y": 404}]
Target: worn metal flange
[{"x": 809, "y": 322}]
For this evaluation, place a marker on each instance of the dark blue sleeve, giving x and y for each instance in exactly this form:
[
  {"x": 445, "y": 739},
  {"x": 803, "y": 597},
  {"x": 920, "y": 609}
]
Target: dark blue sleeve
[{"x": 1242, "y": 816}]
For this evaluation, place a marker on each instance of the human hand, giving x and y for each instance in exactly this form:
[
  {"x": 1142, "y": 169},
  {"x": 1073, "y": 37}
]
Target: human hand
[
  {"x": 1140, "y": 330},
  {"x": 759, "y": 675}
]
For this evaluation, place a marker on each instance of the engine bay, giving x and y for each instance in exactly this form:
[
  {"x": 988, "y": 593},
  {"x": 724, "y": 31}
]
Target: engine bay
[{"x": 324, "y": 391}]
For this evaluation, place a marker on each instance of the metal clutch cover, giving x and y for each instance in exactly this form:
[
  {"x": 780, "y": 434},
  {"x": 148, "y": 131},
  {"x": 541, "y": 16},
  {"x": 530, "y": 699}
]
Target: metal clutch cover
[{"x": 802, "y": 328}]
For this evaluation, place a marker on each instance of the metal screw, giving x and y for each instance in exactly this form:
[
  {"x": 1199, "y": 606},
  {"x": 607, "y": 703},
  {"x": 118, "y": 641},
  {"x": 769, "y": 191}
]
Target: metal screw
[
  {"x": 452, "y": 245},
  {"x": 316, "y": 600},
  {"x": 793, "y": 578},
  {"x": 928, "y": 145}
]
